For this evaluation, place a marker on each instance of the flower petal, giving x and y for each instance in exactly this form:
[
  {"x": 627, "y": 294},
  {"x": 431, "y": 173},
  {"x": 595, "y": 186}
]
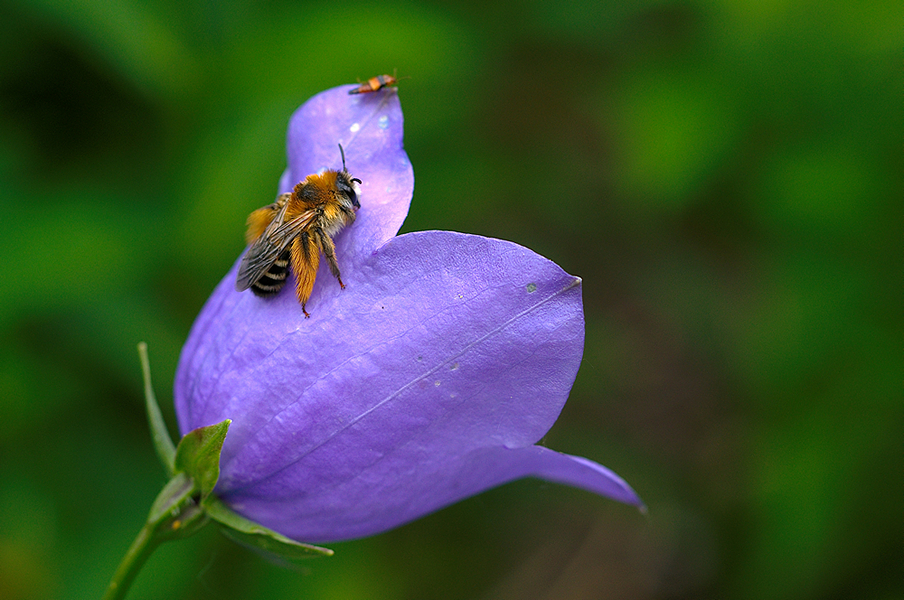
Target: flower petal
[
  {"x": 369, "y": 127},
  {"x": 424, "y": 382},
  {"x": 382, "y": 499},
  {"x": 442, "y": 345}
]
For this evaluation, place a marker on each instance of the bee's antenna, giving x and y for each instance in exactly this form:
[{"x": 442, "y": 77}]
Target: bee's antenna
[{"x": 342, "y": 152}]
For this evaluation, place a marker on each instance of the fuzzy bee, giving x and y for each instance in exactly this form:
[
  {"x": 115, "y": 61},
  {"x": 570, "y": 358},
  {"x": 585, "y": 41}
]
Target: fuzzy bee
[{"x": 294, "y": 231}]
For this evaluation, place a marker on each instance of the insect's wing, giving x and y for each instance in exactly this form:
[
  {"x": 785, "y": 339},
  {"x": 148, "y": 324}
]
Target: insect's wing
[
  {"x": 267, "y": 249},
  {"x": 261, "y": 225},
  {"x": 266, "y": 219}
]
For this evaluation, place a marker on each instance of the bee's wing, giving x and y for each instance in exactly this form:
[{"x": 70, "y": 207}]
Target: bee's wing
[{"x": 269, "y": 246}]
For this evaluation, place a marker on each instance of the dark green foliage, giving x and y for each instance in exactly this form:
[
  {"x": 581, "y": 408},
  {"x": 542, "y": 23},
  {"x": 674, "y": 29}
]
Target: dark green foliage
[{"x": 725, "y": 177}]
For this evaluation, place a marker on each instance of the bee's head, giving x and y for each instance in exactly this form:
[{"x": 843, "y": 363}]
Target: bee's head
[{"x": 346, "y": 184}]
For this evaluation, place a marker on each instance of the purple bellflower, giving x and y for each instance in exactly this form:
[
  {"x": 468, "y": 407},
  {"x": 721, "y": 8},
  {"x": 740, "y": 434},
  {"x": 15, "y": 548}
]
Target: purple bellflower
[{"x": 427, "y": 380}]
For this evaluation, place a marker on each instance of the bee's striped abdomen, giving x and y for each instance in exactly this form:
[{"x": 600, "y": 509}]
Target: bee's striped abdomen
[{"x": 274, "y": 278}]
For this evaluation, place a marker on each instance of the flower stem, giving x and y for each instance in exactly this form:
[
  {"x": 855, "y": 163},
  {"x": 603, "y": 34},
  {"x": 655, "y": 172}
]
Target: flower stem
[
  {"x": 140, "y": 550},
  {"x": 176, "y": 512}
]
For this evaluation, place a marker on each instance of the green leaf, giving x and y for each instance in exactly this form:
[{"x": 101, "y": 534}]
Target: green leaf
[
  {"x": 163, "y": 444},
  {"x": 175, "y": 514},
  {"x": 198, "y": 455},
  {"x": 257, "y": 536},
  {"x": 175, "y": 493}
]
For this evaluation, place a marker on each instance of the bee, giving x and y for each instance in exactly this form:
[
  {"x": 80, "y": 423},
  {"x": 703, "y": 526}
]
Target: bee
[
  {"x": 295, "y": 230},
  {"x": 375, "y": 84}
]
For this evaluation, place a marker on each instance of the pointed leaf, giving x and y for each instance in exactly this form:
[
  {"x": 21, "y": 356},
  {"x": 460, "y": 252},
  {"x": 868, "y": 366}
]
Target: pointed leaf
[
  {"x": 198, "y": 455},
  {"x": 163, "y": 444},
  {"x": 257, "y": 536}
]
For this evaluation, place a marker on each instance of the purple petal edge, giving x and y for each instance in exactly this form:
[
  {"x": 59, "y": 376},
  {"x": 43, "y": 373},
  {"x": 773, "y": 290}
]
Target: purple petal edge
[{"x": 404, "y": 501}]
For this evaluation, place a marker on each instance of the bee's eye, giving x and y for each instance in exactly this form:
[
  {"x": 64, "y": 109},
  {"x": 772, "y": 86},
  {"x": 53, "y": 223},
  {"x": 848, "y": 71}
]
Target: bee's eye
[{"x": 347, "y": 186}]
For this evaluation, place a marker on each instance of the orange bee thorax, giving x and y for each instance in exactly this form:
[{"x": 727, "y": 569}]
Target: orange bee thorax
[
  {"x": 319, "y": 194},
  {"x": 315, "y": 190}
]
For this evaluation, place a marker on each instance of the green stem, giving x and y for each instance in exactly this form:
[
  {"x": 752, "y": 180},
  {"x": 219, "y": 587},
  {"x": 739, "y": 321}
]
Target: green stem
[
  {"x": 176, "y": 512},
  {"x": 138, "y": 553}
]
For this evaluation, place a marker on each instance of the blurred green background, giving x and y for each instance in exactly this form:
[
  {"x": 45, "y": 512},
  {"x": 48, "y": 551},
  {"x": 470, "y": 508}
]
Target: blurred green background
[{"x": 725, "y": 176}]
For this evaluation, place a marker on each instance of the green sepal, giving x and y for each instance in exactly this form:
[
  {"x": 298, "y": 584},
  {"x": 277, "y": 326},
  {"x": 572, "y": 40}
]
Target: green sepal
[
  {"x": 257, "y": 536},
  {"x": 186, "y": 503},
  {"x": 163, "y": 444},
  {"x": 175, "y": 513},
  {"x": 198, "y": 456}
]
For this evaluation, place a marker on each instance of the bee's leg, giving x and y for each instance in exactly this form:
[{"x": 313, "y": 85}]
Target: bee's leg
[
  {"x": 305, "y": 258},
  {"x": 329, "y": 251}
]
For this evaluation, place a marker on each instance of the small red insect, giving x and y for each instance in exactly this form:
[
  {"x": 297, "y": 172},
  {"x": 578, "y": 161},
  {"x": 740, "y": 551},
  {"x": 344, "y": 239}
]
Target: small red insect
[{"x": 375, "y": 84}]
